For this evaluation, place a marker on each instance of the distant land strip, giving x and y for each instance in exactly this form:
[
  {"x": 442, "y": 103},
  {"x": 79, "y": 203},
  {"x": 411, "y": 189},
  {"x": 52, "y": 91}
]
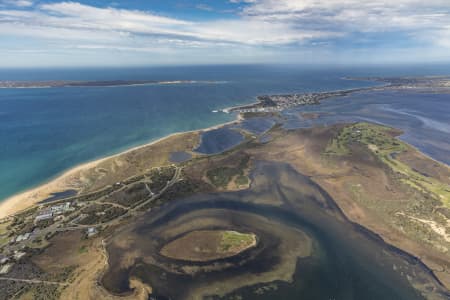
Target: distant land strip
[
  {"x": 276, "y": 103},
  {"x": 104, "y": 83}
]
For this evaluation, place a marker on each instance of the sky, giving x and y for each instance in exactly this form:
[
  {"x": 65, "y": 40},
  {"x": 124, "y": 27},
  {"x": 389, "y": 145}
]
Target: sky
[{"x": 47, "y": 33}]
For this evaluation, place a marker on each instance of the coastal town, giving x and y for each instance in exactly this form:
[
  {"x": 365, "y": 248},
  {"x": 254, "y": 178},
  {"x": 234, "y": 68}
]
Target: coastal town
[
  {"x": 225, "y": 150},
  {"x": 276, "y": 103},
  {"x": 83, "y": 221},
  {"x": 23, "y": 234}
]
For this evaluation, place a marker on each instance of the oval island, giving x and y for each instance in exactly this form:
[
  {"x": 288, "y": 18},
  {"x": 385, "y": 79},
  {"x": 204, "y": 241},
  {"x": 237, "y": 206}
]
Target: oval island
[{"x": 208, "y": 245}]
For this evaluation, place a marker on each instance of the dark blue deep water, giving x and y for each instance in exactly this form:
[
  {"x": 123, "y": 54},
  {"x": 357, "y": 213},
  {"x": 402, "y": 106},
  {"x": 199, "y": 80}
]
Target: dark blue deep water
[{"x": 46, "y": 131}]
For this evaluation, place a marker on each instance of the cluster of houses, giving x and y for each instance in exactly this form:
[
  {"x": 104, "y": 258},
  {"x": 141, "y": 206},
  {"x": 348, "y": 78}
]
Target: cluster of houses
[
  {"x": 21, "y": 237},
  {"x": 52, "y": 212},
  {"x": 287, "y": 101},
  {"x": 7, "y": 262},
  {"x": 24, "y": 237},
  {"x": 5, "y": 265},
  {"x": 274, "y": 103},
  {"x": 46, "y": 214},
  {"x": 257, "y": 109}
]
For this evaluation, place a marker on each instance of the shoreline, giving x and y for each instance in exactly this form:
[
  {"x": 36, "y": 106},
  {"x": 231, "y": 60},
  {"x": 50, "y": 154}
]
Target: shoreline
[
  {"x": 87, "y": 84},
  {"x": 321, "y": 96},
  {"x": 29, "y": 197}
]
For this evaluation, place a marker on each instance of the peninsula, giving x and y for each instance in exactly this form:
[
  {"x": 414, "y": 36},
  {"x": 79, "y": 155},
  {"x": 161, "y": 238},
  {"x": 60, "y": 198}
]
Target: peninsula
[
  {"x": 138, "y": 222},
  {"x": 104, "y": 83},
  {"x": 276, "y": 103}
]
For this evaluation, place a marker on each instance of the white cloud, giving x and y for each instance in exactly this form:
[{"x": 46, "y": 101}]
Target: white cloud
[
  {"x": 18, "y": 3},
  {"x": 108, "y": 16},
  {"x": 264, "y": 22},
  {"x": 243, "y": 1},
  {"x": 261, "y": 26},
  {"x": 67, "y": 16},
  {"x": 360, "y": 15}
]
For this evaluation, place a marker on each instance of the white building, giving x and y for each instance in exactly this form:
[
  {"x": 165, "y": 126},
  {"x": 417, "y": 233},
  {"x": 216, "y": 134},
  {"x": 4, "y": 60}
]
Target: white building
[
  {"x": 43, "y": 216},
  {"x": 23, "y": 237},
  {"x": 5, "y": 269},
  {"x": 91, "y": 231}
]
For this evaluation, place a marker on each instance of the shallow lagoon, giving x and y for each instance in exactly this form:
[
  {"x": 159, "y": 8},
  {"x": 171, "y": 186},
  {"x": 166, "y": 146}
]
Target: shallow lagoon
[
  {"x": 424, "y": 117},
  {"x": 257, "y": 125},
  {"x": 219, "y": 140},
  {"x": 46, "y": 131},
  {"x": 347, "y": 263}
]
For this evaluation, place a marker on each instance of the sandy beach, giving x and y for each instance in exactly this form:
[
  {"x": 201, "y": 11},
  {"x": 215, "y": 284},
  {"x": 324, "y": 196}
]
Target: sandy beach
[{"x": 73, "y": 178}]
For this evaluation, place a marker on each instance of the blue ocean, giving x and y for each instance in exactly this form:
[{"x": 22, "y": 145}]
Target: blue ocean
[{"x": 45, "y": 131}]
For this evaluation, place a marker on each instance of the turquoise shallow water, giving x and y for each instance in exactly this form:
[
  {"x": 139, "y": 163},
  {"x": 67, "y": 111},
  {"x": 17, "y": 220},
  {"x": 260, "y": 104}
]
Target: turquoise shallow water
[{"x": 44, "y": 132}]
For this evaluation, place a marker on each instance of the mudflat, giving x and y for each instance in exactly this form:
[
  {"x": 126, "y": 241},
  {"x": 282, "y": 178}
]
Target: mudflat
[
  {"x": 251, "y": 217},
  {"x": 207, "y": 245}
]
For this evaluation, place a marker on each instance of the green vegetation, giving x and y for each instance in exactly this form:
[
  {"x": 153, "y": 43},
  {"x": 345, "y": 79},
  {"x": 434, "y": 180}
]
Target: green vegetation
[
  {"x": 236, "y": 241},
  {"x": 220, "y": 177},
  {"x": 4, "y": 228},
  {"x": 159, "y": 177},
  {"x": 97, "y": 214},
  {"x": 140, "y": 188},
  {"x": 420, "y": 182},
  {"x": 46, "y": 292},
  {"x": 380, "y": 140},
  {"x": 180, "y": 189},
  {"x": 130, "y": 196},
  {"x": 208, "y": 245},
  {"x": 242, "y": 180},
  {"x": 97, "y": 194},
  {"x": 3, "y": 240},
  {"x": 4, "y": 233},
  {"x": 43, "y": 224}
]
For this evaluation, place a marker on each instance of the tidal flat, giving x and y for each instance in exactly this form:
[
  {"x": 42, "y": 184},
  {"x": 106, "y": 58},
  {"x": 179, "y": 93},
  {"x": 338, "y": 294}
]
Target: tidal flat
[
  {"x": 306, "y": 247},
  {"x": 347, "y": 211}
]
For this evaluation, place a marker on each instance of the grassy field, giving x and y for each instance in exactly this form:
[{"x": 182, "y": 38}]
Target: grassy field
[
  {"x": 233, "y": 241},
  {"x": 208, "y": 245},
  {"x": 4, "y": 228},
  {"x": 4, "y": 239},
  {"x": 382, "y": 143},
  {"x": 378, "y": 138}
]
